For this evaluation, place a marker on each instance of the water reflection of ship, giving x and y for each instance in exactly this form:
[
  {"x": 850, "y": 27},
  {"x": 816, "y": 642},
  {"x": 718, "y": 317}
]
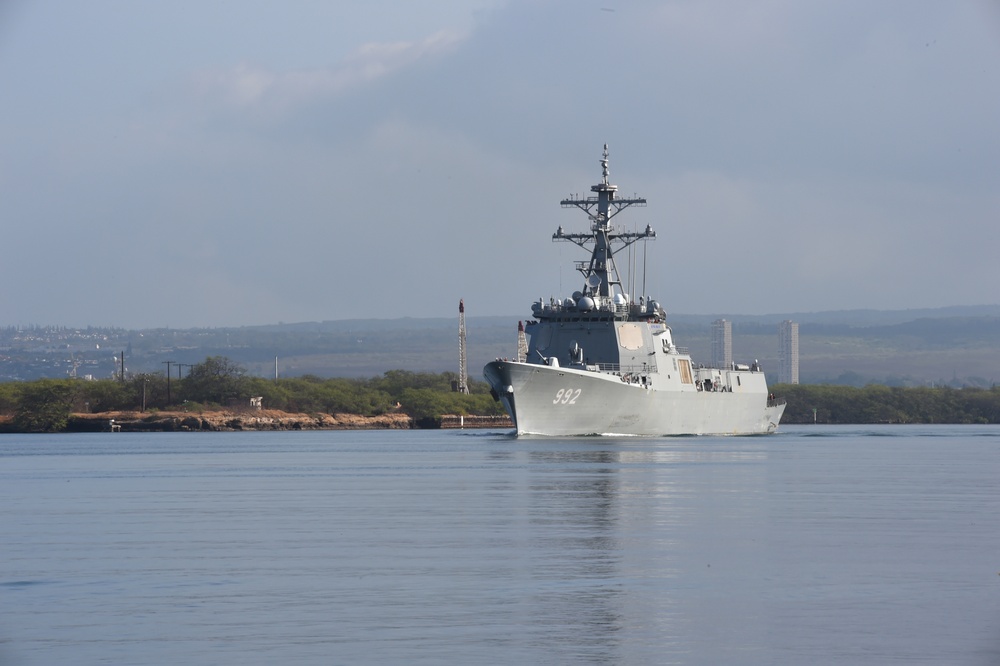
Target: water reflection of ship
[
  {"x": 630, "y": 540},
  {"x": 576, "y": 503}
]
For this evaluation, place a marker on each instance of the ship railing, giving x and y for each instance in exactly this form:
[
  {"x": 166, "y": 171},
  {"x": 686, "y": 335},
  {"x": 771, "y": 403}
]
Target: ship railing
[
  {"x": 625, "y": 369},
  {"x": 560, "y": 307},
  {"x": 774, "y": 402}
]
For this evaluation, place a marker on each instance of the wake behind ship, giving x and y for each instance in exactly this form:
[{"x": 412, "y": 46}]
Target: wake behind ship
[{"x": 602, "y": 363}]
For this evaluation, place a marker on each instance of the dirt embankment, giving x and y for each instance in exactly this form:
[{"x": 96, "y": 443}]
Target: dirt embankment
[{"x": 234, "y": 420}]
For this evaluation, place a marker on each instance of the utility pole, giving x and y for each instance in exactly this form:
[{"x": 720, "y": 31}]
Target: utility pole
[{"x": 168, "y": 364}]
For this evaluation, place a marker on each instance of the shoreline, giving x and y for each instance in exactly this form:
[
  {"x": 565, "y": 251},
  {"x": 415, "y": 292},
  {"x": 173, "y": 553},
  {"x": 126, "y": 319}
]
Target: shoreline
[{"x": 268, "y": 419}]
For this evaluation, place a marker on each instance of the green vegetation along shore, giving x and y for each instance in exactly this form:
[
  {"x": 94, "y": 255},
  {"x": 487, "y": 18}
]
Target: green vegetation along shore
[
  {"x": 217, "y": 394},
  {"x": 220, "y": 386},
  {"x": 875, "y": 403}
]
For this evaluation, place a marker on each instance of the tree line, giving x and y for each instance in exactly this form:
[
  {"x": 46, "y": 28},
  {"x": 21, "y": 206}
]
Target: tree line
[
  {"x": 875, "y": 403},
  {"x": 45, "y": 405}
]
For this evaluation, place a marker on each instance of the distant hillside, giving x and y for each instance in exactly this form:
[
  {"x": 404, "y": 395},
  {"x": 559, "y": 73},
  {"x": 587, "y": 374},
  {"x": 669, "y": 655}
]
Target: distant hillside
[
  {"x": 852, "y": 318},
  {"x": 953, "y": 350},
  {"x": 956, "y": 345}
]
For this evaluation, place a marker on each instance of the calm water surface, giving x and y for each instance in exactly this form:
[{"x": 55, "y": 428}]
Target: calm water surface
[{"x": 819, "y": 545}]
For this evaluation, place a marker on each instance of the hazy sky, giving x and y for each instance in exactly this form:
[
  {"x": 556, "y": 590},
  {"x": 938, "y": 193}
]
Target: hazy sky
[{"x": 219, "y": 163}]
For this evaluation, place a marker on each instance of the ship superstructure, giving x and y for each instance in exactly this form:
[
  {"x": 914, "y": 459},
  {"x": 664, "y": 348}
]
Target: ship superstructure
[{"x": 602, "y": 362}]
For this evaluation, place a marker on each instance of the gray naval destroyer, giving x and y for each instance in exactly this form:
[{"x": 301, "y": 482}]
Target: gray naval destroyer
[{"x": 600, "y": 363}]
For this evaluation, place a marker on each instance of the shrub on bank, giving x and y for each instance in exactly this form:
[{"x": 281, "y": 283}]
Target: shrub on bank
[{"x": 218, "y": 383}]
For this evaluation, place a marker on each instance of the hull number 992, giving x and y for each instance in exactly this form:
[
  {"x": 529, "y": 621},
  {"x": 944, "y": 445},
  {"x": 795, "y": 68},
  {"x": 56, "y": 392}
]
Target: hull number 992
[{"x": 567, "y": 396}]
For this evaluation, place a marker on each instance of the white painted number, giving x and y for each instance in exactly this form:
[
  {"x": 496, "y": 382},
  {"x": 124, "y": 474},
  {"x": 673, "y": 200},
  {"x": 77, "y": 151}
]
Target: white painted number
[{"x": 567, "y": 396}]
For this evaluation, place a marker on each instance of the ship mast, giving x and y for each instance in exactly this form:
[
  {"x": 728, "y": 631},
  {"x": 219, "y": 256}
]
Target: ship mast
[{"x": 600, "y": 272}]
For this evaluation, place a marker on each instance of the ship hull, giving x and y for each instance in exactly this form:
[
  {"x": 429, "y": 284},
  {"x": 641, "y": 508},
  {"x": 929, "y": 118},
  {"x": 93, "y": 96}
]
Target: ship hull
[{"x": 556, "y": 401}]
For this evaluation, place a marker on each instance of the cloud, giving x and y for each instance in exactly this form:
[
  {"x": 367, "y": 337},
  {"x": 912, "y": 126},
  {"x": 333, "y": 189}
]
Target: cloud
[{"x": 246, "y": 87}]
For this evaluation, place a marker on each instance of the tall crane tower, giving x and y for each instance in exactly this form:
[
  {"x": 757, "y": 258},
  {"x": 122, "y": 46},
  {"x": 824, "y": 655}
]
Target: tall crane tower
[
  {"x": 463, "y": 364},
  {"x": 522, "y": 343}
]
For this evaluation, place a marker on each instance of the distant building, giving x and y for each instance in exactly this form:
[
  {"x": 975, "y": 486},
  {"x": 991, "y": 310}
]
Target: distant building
[
  {"x": 788, "y": 352},
  {"x": 722, "y": 343}
]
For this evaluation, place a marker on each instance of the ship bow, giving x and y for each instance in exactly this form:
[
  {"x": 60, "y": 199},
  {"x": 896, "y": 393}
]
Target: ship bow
[{"x": 497, "y": 375}]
